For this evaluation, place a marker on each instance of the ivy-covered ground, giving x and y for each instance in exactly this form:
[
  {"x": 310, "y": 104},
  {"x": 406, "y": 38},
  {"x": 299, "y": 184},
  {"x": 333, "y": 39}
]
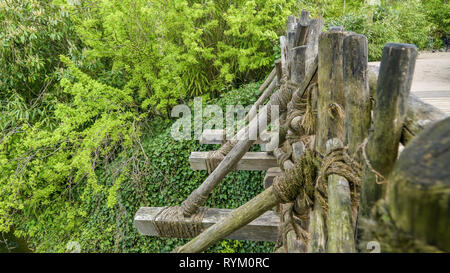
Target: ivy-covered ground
[{"x": 161, "y": 176}]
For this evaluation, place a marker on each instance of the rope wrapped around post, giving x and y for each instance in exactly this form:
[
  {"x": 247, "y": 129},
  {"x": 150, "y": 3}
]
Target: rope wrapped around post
[
  {"x": 226, "y": 159},
  {"x": 284, "y": 190}
]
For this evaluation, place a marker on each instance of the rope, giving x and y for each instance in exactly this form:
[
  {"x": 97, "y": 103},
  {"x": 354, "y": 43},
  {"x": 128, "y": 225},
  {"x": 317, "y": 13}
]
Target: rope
[
  {"x": 337, "y": 113},
  {"x": 290, "y": 221},
  {"x": 213, "y": 158},
  {"x": 367, "y": 161},
  {"x": 191, "y": 204},
  {"x": 338, "y": 162},
  {"x": 170, "y": 222},
  {"x": 296, "y": 180}
]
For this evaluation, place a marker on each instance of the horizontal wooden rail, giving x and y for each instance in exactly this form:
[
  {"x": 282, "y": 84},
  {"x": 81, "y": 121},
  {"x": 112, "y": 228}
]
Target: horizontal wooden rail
[
  {"x": 263, "y": 228},
  {"x": 217, "y": 136},
  {"x": 251, "y": 161}
]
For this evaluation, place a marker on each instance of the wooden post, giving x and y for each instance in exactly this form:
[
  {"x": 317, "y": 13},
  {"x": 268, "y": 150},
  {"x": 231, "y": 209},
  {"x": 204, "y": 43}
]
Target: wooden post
[
  {"x": 419, "y": 188},
  {"x": 419, "y": 114},
  {"x": 303, "y": 28},
  {"x": 284, "y": 55},
  {"x": 297, "y": 64},
  {"x": 394, "y": 83},
  {"x": 317, "y": 230},
  {"x": 331, "y": 97},
  {"x": 357, "y": 94},
  {"x": 340, "y": 224},
  {"x": 331, "y": 92},
  {"x": 279, "y": 70}
]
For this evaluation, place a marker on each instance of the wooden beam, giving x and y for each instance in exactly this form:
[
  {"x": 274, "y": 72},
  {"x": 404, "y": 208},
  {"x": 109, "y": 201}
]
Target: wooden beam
[
  {"x": 263, "y": 228},
  {"x": 269, "y": 79},
  {"x": 251, "y": 161},
  {"x": 217, "y": 136}
]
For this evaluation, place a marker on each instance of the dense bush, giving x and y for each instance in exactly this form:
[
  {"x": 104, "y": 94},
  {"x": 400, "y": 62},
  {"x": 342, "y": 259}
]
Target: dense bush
[
  {"x": 169, "y": 50},
  {"x": 84, "y": 142},
  {"x": 398, "y": 21}
]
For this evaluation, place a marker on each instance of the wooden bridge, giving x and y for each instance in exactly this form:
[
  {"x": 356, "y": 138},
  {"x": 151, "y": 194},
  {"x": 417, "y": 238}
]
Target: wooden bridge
[{"x": 322, "y": 196}]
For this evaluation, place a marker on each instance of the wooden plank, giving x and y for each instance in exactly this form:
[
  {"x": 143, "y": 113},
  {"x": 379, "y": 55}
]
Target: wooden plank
[
  {"x": 217, "y": 136},
  {"x": 270, "y": 176},
  {"x": 263, "y": 228},
  {"x": 251, "y": 161}
]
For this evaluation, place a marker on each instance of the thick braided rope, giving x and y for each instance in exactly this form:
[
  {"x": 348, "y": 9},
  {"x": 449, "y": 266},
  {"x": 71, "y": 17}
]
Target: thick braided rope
[
  {"x": 340, "y": 163},
  {"x": 290, "y": 221},
  {"x": 294, "y": 181},
  {"x": 170, "y": 222},
  {"x": 213, "y": 158}
]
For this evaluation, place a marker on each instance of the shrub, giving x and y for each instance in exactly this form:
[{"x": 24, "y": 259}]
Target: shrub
[{"x": 171, "y": 50}]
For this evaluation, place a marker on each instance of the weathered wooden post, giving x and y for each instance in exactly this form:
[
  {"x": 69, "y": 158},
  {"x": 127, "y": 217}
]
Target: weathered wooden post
[
  {"x": 419, "y": 190},
  {"x": 330, "y": 100},
  {"x": 419, "y": 114},
  {"x": 340, "y": 224},
  {"x": 279, "y": 71},
  {"x": 357, "y": 94},
  {"x": 393, "y": 86}
]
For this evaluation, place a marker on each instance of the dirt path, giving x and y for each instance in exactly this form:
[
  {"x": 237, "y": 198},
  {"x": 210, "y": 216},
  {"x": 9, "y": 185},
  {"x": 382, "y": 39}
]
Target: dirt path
[{"x": 431, "y": 80}]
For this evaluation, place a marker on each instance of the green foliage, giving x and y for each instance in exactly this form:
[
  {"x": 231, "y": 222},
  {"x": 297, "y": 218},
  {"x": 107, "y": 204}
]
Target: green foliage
[
  {"x": 74, "y": 165},
  {"x": 388, "y": 21},
  {"x": 32, "y": 35},
  {"x": 438, "y": 14},
  {"x": 67, "y": 194},
  {"x": 47, "y": 174},
  {"x": 170, "y": 50}
]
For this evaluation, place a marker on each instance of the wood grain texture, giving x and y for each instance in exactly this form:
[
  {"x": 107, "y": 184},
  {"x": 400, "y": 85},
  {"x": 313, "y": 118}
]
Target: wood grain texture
[
  {"x": 331, "y": 87},
  {"x": 419, "y": 189},
  {"x": 393, "y": 87},
  {"x": 340, "y": 223},
  {"x": 251, "y": 161},
  {"x": 356, "y": 90}
]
